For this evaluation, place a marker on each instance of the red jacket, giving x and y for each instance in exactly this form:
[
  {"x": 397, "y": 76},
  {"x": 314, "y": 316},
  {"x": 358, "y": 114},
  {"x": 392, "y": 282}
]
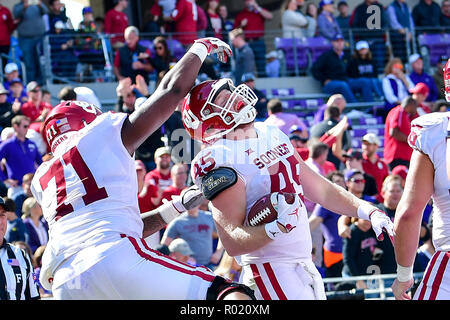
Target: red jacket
[
  {"x": 7, "y": 26},
  {"x": 116, "y": 22},
  {"x": 394, "y": 149},
  {"x": 255, "y": 23},
  {"x": 185, "y": 21},
  {"x": 31, "y": 111}
]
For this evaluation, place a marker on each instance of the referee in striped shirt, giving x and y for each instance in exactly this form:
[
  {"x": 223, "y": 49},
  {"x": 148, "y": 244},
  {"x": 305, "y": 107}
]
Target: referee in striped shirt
[{"x": 16, "y": 270}]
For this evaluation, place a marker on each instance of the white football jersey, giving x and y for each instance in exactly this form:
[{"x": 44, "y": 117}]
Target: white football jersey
[
  {"x": 88, "y": 190},
  {"x": 428, "y": 135},
  {"x": 265, "y": 164}
]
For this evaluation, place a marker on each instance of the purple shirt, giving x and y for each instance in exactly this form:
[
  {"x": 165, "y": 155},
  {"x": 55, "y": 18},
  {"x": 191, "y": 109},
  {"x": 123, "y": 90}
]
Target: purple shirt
[
  {"x": 318, "y": 116},
  {"x": 333, "y": 242},
  {"x": 284, "y": 121},
  {"x": 429, "y": 81},
  {"x": 21, "y": 158}
]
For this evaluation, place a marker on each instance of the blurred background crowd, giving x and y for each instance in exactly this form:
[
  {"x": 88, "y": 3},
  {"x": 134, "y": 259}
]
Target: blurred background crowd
[{"x": 373, "y": 74}]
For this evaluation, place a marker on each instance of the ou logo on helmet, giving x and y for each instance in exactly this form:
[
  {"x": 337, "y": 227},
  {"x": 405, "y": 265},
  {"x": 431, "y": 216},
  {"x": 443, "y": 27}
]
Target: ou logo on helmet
[
  {"x": 86, "y": 106},
  {"x": 190, "y": 120}
]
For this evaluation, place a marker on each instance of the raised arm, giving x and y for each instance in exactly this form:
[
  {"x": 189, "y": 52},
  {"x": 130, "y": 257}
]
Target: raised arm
[{"x": 173, "y": 88}]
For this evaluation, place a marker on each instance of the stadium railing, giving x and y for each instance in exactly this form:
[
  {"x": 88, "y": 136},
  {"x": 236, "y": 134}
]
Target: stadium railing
[
  {"x": 18, "y": 62},
  {"x": 90, "y": 59},
  {"x": 378, "y": 287}
]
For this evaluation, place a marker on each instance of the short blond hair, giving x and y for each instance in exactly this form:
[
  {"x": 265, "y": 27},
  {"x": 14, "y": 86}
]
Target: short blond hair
[
  {"x": 29, "y": 203},
  {"x": 238, "y": 32},
  {"x": 391, "y": 179}
]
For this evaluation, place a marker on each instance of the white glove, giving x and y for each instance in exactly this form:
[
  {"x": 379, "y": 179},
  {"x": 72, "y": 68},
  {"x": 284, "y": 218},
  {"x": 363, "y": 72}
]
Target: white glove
[
  {"x": 379, "y": 219},
  {"x": 287, "y": 216},
  {"x": 214, "y": 45},
  {"x": 188, "y": 199}
]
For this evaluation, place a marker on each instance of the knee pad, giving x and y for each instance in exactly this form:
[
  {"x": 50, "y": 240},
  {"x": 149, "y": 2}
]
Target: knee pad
[{"x": 220, "y": 287}]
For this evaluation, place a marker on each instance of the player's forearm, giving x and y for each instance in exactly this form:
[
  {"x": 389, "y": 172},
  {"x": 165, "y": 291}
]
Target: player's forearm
[
  {"x": 407, "y": 232},
  {"x": 328, "y": 195},
  {"x": 157, "y": 109},
  {"x": 242, "y": 240},
  {"x": 418, "y": 190},
  {"x": 153, "y": 222}
]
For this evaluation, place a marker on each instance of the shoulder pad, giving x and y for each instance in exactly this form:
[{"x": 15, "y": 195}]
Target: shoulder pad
[
  {"x": 218, "y": 180},
  {"x": 427, "y": 131}
]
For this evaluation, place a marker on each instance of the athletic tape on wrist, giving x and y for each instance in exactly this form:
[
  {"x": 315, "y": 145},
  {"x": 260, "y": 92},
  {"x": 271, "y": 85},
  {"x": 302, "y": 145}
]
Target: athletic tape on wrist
[
  {"x": 199, "y": 50},
  {"x": 364, "y": 211},
  {"x": 168, "y": 212},
  {"x": 404, "y": 273}
]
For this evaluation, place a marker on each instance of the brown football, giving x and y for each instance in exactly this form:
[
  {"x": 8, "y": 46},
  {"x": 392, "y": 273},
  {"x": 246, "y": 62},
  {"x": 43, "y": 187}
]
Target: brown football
[{"x": 264, "y": 210}]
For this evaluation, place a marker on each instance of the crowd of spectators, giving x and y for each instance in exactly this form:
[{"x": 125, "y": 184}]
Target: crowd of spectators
[
  {"x": 80, "y": 52},
  {"x": 346, "y": 247}
]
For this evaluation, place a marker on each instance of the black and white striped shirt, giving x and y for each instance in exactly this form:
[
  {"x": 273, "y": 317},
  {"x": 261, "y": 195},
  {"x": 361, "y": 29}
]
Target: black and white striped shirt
[{"x": 16, "y": 274}]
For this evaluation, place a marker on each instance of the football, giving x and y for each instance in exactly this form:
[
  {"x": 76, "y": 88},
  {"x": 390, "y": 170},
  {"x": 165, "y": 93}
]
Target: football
[{"x": 264, "y": 210}]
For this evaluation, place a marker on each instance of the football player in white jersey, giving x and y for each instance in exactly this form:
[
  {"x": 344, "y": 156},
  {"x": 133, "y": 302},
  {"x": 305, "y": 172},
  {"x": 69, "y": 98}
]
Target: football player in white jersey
[
  {"x": 243, "y": 162},
  {"x": 427, "y": 177},
  {"x": 88, "y": 195}
]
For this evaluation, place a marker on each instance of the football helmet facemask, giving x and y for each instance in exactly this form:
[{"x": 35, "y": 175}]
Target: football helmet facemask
[{"x": 207, "y": 120}]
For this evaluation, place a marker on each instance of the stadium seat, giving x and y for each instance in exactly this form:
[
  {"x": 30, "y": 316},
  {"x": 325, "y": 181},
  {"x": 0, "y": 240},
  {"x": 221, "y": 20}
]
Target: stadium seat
[
  {"x": 437, "y": 44},
  {"x": 371, "y": 121},
  {"x": 176, "y": 48},
  {"x": 317, "y": 46},
  {"x": 360, "y": 132},
  {"x": 283, "y": 92},
  {"x": 148, "y": 44},
  {"x": 295, "y": 53}
]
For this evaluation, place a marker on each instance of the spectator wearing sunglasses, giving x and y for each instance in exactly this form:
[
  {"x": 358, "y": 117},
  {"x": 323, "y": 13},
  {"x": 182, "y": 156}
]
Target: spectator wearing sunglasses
[
  {"x": 356, "y": 182},
  {"x": 163, "y": 59},
  {"x": 354, "y": 161},
  {"x": 21, "y": 155}
]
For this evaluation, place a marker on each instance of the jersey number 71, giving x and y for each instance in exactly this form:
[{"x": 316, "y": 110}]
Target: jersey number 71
[{"x": 93, "y": 192}]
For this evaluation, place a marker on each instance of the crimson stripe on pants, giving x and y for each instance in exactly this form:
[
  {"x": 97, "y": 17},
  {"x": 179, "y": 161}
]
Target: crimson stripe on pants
[
  {"x": 259, "y": 283},
  {"x": 170, "y": 258},
  {"x": 273, "y": 280},
  {"x": 438, "y": 278},
  {"x": 170, "y": 265},
  {"x": 427, "y": 276}
]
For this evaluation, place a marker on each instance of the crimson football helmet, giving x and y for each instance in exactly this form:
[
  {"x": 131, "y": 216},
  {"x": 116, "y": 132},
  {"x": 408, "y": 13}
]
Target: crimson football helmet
[
  {"x": 447, "y": 80},
  {"x": 68, "y": 116},
  {"x": 206, "y": 120}
]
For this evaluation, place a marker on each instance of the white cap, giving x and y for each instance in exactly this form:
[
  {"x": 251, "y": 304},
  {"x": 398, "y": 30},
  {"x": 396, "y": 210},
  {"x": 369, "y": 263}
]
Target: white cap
[
  {"x": 272, "y": 54},
  {"x": 413, "y": 58},
  {"x": 371, "y": 138},
  {"x": 10, "y": 67},
  {"x": 181, "y": 246},
  {"x": 88, "y": 95},
  {"x": 362, "y": 45}
]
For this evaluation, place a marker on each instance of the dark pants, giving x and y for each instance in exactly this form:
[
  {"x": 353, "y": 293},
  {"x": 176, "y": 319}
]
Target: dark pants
[
  {"x": 30, "y": 50},
  {"x": 259, "y": 50},
  {"x": 4, "y": 50},
  {"x": 335, "y": 270},
  {"x": 399, "y": 45}
]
